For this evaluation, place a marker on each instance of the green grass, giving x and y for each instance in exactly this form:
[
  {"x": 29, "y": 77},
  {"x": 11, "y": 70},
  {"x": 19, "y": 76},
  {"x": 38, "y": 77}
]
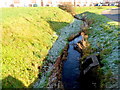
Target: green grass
[
  {"x": 27, "y": 36},
  {"x": 103, "y": 38},
  {"x": 97, "y": 9}
]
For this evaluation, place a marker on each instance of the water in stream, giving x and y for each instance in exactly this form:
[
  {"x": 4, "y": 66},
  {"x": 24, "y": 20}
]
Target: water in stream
[
  {"x": 71, "y": 67},
  {"x": 72, "y": 74}
]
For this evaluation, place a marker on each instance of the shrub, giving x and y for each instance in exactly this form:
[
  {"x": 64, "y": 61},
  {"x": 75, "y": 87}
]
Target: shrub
[
  {"x": 68, "y": 7},
  {"x": 35, "y": 5}
]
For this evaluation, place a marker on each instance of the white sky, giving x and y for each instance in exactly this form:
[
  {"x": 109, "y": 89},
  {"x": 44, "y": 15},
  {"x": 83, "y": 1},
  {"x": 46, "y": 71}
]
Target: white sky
[
  {"x": 26, "y": 1},
  {"x": 3, "y": 2}
]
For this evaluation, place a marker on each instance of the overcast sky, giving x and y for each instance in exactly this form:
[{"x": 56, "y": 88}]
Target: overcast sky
[{"x": 3, "y": 2}]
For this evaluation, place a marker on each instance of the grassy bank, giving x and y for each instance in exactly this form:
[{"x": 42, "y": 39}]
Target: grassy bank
[
  {"x": 27, "y": 36},
  {"x": 103, "y": 39}
]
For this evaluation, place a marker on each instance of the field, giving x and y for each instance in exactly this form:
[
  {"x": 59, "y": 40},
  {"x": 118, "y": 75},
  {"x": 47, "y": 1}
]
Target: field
[
  {"x": 96, "y": 10},
  {"x": 27, "y": 36}
]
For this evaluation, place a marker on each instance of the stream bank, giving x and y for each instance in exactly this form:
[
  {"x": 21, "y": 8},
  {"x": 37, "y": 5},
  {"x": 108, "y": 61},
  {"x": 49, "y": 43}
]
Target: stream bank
[
  {"x": 55, "y": 52},
  {"x": 68, "y": 64},
  {"x": 94, "y": 47},
  {"x": 72, "y": 72},
  {"x": 69, "y": 70}
]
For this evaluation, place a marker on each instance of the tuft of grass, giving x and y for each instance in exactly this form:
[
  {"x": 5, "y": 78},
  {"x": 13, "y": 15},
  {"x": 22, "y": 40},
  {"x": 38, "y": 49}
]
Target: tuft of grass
[{"x": 27, "y": 36}]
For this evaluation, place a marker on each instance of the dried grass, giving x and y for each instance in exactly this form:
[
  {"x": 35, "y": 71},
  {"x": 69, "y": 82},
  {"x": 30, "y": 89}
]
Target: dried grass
[{"x": 68, "y": 7}]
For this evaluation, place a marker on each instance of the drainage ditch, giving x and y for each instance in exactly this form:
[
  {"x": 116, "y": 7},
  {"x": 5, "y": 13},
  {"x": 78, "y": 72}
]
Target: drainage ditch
[
  {"x": 78, "y": 75},
  {"x": 70, "y": 71}
]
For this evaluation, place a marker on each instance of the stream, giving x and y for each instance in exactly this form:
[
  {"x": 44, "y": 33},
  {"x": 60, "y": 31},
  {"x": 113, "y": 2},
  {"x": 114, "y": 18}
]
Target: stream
[
  {"x": 71, "y": 67},
  {"x": 73, "y": 76}
]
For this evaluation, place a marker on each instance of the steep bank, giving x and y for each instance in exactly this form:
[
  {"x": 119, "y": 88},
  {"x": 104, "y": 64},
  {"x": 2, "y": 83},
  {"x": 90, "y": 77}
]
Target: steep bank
[
  {"x": 28, "y": 34},
  {"x": 103, "y": 38}
]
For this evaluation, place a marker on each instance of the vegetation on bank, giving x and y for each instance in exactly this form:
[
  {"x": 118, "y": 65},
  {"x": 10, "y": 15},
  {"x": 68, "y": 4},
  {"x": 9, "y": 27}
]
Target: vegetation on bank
[
  {"x": 27, "y": 36},
  {"x": 103, "y": 39},
  {"x": 29, "y": 33},
  {"x": 96, "y": 10},
  {"x": 92, "y": 11}
]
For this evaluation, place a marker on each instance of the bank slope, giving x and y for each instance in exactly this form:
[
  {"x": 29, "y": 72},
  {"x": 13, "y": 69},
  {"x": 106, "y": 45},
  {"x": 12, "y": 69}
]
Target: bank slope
[
  {"x": 27, "y": 36},
  {"x": 103, "y": 39}
]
